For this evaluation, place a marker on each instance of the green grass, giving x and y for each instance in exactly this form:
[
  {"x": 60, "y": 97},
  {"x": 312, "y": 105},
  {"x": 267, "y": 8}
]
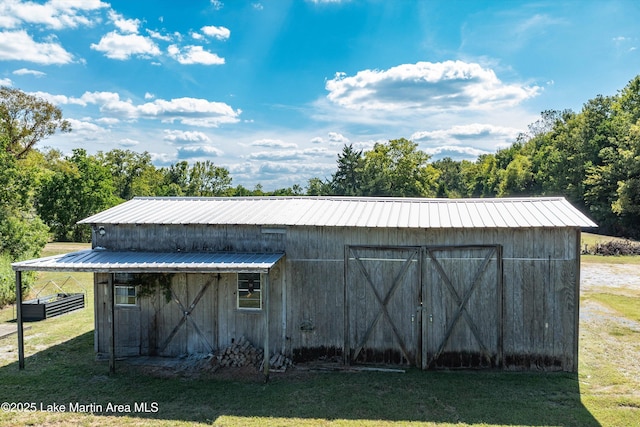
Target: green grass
[
  {"x": 626, "y": 306},
  {"x": 61, "y": 369},
  {"x": 620, "y": 259}
]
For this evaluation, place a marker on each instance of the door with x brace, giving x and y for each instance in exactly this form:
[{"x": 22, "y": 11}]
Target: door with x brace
[
  {"x": 382, "y": 293},
  {"x": 462, "y": 307},
  {"x": 184, "y": 324}
]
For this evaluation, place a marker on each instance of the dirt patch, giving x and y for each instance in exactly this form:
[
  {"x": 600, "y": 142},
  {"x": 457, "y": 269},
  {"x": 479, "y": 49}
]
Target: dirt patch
[
  {"x": 609, "y": 276},
  {"x": 610, "y": 338}
]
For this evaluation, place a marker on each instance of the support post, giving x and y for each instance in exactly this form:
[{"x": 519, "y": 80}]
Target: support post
[
  {"x": 267, "y": 356},
  {"x": 112, "y": 329},
  {"x": 346, "y": 352},
  {"x": 19, "y": 320}
]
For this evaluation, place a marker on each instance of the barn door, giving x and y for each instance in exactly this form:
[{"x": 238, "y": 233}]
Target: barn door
[
  {"x": 462, "y": 313},
  {"x": 184, "y": 326},
  {"x": 382, "y": 295}
]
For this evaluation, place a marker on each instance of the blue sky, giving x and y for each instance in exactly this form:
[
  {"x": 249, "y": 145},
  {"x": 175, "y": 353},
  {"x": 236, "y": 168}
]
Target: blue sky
[{"x": 273, "y": 89}]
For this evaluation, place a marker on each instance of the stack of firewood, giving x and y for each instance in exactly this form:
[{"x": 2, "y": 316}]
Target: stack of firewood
[
  {"x": 278, "y": 363},
  {"x": 242, "y": 353}
]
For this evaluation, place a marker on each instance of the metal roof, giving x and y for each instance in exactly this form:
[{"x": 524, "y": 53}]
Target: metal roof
[
  {"x": 347, "y": 212},
  {"x": 103, "y": 261}
]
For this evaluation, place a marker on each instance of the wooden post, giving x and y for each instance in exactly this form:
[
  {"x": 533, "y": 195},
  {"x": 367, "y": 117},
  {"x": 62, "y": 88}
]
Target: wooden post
[
  {"x": 346, "y": 352},
  {"x": 267, "y": 356},
  {"x": 19, "y": 319},
  {"x": 112, "y": 335},
  {"x": 501, "y": 307},
  {"x": 576, "y": 307}
]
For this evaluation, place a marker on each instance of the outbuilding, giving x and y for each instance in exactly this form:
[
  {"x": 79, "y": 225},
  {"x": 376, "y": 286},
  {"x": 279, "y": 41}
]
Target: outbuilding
[{"x": 433, "y": 283}]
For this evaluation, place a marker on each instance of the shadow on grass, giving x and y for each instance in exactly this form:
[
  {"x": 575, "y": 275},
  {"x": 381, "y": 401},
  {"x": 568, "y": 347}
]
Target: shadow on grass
[{"x": 67, "y": 374}]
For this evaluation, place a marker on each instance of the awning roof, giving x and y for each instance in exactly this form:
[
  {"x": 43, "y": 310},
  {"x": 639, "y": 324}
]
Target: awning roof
[{"x": 104, "y": 261}]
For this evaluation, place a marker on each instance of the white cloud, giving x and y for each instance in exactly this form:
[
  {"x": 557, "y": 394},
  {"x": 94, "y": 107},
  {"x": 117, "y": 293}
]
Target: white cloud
[
  {"x": 185, "y": 136},
  {"x": 108, "y": 120},
  {"x": 194, "y": 55},
  {"x": 20, "y": 46},
  {"x": 217, "y": 4},
  {"x": 188, "y": 111},
  {"x": 197, "y": 36},
  {"x": 452, "y": 85},
  {"x": 119, "y": 46},
  {"x": 159, "y": 36},
  {"x": 129, "y": 26},
  {"x": 148, "y": 95},
  {"x": 128, "y": 142},
  {"x": 85, "y": 130},
  {"x": 198, "y": 151},
  {"x": 273, "y": 143},
  {"x": 304, "y": 154},
  {"x": 455, "y": 151},
  {"x": 26, "y": 71},
  {"x": 6, "y": 82},
  {"x": 55, "y": 14},
  {"x": 466, "y": 132},
  {"x": 220, "y": 33},
  {"x": 338, "y": 138}
]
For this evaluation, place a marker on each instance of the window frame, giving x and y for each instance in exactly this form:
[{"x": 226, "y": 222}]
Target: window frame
[
  {"x": 124, "y": 281},
  {"x": 244, "y": 278}
]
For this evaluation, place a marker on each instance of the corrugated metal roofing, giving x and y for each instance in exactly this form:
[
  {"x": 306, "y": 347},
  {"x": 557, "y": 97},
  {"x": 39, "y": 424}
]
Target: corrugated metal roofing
[
  {"x": 348, "y": 212},
  {"x": 100, "y": 260}
]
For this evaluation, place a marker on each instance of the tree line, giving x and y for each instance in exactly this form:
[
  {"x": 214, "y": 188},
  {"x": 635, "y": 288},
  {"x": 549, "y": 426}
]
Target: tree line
[{"x": 591, "y": 157}]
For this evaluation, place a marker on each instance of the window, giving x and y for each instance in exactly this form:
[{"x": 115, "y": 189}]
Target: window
[
  {"x": 249, "y": 291},
  {"x": 125, "y": 295},
  {"x": 125, "y": 292}
]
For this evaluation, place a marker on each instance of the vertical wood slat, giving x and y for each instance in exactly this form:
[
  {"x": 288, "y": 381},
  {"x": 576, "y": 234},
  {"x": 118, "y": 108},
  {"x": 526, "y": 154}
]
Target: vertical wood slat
[
  {"x": 267, "y": 353},
  {"x": 347, "y": 327},
  {"x": 112, "y": 329},
  {"x": 19, "y": 320},
  {"x": 576, "y": 314}
]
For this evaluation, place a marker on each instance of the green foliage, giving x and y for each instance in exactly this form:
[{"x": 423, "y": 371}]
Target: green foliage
[
  {"x": 397, "y": 168},
  {"x": 133, "y": 173},
  {"x": 348, "y": 179},
  {"x": 8, "y": 280},
  {"x": 202, "y": 179},
  {"x": 26, "y": 119},
  {"x": 150, "y": 283},
  {"x": 76, "y": 188}
]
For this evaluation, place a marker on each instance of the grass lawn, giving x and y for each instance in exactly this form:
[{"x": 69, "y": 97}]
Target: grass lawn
[{"x": 61, "y": 373}]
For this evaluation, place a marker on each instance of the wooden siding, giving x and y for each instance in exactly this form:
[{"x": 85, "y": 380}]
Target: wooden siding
[
  {"x": 159, "y": 327},
  {"x": 533, "y": 287}
]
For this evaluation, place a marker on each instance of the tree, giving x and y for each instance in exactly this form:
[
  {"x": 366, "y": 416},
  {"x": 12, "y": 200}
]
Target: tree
[
  {"x": 348, "y": 179},
  {"x": 318, "y": 187},
  {"x": 399, "y": 169},
  {"x": 450, "y": 181},
  {"x": 76, "y": 188},
  {"x": 517, "y": 178},
  {"x": 205, "y": 179},
  {"x": 26, "y": 119},
  {"x": 133, "y": 173},
  {"x": 22, "y": 232}
]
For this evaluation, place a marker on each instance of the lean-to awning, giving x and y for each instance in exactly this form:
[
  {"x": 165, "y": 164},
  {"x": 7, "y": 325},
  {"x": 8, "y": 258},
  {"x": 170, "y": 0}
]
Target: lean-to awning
[{"x": 104, "y": 261}]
